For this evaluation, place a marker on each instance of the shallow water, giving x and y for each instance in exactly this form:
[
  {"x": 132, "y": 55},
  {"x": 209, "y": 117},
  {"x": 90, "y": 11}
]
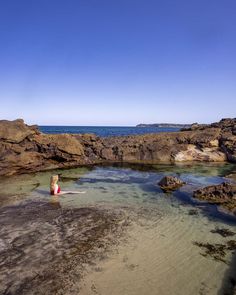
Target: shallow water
[{"x": 159, "y": 254}]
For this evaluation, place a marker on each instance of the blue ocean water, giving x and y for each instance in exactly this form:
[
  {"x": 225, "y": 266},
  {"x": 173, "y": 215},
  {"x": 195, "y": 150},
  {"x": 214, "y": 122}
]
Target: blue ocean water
[{"x": 104, "y": 131}]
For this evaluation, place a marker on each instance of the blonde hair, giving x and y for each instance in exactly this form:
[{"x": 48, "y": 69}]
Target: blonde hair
[{"x": 53, "y": 181}]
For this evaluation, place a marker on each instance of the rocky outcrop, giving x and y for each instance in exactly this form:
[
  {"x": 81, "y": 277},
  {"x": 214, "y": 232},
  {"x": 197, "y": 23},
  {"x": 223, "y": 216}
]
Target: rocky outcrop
[
  {"x": 227, "y": 136},
  {"x": 222, "y": 194},
  {"x": 15, "y": 131},
  {"x": 165, "y": 147},
  {"x": 24, "y": 148},
  {"x": 226, "y": 124},
  {"x": 170, "y": 183}
]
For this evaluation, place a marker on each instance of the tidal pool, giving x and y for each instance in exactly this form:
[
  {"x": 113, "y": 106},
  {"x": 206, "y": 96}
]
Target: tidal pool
[{"x": 173, "y": 243}]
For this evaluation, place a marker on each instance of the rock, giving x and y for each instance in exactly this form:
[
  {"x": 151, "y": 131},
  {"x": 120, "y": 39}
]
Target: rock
[
  {"x": 24, "y": 149},
  {"x": 15, "y": 131},
  {"x": 216, "y": 193},
  {"x": 228, "y": 145},
  {"x": 64, "y": 142},
  {"x": 224, "y": 194},
  {"x": 169, "y": 183},
  {"x": 201, "y": 155}
]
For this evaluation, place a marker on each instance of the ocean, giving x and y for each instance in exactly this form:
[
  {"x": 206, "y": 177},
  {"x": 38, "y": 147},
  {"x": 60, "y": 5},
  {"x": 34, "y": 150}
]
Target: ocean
[{"x": 105, "y": 131}]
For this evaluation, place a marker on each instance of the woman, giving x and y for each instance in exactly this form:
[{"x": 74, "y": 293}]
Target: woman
[{"x": 56, "y": 190}]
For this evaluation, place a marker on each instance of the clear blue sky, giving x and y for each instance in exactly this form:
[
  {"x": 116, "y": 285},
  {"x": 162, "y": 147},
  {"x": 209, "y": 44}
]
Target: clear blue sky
[{"x": 123, "y": 62}]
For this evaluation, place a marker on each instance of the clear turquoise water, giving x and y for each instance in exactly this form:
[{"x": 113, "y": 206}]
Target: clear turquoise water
[{"x": 124, "y": 185}]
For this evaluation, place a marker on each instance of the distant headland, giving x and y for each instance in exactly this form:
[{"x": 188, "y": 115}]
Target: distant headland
[{"x": 165, "y": 125}]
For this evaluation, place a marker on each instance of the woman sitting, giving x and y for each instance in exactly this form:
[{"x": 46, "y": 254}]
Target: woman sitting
[{"x": 56, "y": 190}]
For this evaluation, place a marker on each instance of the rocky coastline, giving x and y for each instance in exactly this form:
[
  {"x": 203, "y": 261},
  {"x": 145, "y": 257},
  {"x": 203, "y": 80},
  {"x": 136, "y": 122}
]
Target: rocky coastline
[
  {"x": 51, "y": 244},
  {"x": 25, "y": 149}
]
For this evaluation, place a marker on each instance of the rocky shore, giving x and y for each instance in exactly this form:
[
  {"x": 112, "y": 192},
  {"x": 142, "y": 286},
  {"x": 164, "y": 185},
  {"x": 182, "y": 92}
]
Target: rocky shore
[{"x": 25, "y": 149}]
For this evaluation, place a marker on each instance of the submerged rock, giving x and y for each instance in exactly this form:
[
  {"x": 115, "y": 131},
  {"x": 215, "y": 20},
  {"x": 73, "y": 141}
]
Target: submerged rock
[
  {"x": 224, "y": 194},
  {"x": 216, "y": 193},
  {"x": 169, "y": 183}
]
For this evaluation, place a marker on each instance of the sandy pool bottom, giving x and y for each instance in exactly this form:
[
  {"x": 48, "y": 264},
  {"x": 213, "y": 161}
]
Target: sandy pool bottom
[{"x": 161, "y": 258}]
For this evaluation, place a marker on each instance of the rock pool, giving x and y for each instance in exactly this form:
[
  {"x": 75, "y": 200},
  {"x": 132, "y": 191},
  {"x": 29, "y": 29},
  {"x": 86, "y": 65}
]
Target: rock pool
[{"x": 124, "y": 236}]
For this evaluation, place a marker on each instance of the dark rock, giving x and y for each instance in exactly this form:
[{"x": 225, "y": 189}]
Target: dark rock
[
  {"x": 220, "y": 193},
  {"x": 169, "y": 183}
]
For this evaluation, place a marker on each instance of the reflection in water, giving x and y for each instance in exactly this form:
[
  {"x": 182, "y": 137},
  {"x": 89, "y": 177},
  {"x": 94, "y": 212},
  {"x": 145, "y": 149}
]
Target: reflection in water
[
  {"x": 43, "y": 192},
  {"x": 55, "y": 202}
]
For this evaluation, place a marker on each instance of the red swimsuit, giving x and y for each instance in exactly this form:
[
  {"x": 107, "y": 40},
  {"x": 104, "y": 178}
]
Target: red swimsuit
[{"x": 58, "y": 191}]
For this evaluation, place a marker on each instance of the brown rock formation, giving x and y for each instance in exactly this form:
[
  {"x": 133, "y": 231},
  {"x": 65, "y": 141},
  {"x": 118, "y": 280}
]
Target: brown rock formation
[
  {"x": 24, "y": 149},
  {"x": 223, "y": 194},
  {"x": 15, "y": 131},
  {"x": 170, "y": 183}
]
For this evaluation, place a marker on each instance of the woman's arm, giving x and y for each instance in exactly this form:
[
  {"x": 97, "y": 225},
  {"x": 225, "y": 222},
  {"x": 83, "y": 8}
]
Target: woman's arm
[{"x": 55, "y": 189}]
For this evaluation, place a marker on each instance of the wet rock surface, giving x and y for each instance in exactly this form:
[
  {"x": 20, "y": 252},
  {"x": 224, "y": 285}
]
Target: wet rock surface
[
  {"x": 222, "y": 194},
  {"x": 43, "y": 247},
  {"x": 170, "y": 183},
  {"x": 25, "y": 149}
]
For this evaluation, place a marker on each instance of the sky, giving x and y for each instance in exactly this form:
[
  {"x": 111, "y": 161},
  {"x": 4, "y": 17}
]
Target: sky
[{"x": 117, "y": 63}]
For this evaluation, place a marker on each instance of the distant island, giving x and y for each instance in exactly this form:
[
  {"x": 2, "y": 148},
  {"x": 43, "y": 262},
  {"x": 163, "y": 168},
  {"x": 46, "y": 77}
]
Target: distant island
[{"x": 165, "y": 125}]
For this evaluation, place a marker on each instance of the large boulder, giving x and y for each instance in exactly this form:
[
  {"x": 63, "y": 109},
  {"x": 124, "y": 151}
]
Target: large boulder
[
  {"x": 170, "y": 183},
  {"x": 15, "y": 131}
]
